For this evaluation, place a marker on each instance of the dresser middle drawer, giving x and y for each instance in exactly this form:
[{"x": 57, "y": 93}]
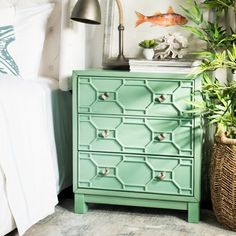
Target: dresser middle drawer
[{"x": 160, "y": 136}]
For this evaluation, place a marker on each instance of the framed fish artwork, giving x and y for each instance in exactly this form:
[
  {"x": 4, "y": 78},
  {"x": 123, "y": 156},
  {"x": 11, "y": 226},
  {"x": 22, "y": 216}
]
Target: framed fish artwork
[{"x": 144, "y": 19}]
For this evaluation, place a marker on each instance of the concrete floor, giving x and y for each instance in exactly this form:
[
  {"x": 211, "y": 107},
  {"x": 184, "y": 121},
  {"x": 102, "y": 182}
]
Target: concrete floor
[{"x": 105, "y": 220}]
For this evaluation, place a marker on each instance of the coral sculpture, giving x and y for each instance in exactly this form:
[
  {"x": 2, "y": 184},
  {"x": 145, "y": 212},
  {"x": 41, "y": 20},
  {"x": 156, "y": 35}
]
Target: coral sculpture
[{"x": 171, "y": 46}]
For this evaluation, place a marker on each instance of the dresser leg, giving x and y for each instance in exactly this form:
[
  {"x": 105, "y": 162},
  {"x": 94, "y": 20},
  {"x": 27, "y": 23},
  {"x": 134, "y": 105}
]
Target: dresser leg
[
  {"x": 80, "y": 205},
  {"x": 193, "y": 212}
]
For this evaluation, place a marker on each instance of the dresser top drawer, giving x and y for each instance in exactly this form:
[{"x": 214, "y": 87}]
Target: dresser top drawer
[{"x": 134, "y": 96}]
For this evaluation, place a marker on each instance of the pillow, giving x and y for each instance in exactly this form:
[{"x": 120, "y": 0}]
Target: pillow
[
  {"x": 8, "y": 64},
  {"x": 31, "y": 24}
]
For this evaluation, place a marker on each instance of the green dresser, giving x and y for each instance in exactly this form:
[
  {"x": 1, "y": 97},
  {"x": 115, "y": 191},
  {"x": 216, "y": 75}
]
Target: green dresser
[{"x": 133, "y": 142}]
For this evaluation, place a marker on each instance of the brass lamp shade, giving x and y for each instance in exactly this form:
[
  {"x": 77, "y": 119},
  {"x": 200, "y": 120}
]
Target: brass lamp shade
[{"x": 87, "y": 11}]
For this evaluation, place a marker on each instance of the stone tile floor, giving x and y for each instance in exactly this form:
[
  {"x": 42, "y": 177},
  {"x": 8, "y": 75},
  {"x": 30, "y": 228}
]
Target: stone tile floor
[{"x": 109, "y": 220}]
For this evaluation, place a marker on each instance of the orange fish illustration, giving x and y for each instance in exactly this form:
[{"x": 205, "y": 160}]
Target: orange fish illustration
[{"x": 162, "y": 19}]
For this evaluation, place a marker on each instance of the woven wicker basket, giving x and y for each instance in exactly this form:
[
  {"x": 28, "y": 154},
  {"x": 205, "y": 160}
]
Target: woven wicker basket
[{"x": 223, "y": 184}]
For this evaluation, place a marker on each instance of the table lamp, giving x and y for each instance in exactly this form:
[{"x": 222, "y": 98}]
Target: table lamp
[{"x": 89, "y": 11}]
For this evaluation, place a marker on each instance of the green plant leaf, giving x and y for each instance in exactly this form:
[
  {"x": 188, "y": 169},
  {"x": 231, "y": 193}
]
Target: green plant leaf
[{"x": 148, "y": 43}]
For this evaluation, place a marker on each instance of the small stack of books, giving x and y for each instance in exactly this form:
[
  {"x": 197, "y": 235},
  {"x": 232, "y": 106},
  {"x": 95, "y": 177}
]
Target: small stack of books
[{"x": 175, "y": 66}]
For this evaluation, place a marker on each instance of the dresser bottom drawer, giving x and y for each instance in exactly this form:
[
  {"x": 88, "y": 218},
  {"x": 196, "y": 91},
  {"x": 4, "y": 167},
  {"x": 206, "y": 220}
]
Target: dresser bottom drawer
[{"x": 136, "y": 173}]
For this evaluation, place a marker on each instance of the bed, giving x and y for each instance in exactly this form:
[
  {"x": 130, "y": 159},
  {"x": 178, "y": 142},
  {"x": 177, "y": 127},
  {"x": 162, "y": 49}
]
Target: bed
[{"x": 35, "y": 120}]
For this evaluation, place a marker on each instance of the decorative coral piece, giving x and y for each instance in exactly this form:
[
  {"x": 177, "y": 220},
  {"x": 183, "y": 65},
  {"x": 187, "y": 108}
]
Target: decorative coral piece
[{"x": 171, "y": 46}]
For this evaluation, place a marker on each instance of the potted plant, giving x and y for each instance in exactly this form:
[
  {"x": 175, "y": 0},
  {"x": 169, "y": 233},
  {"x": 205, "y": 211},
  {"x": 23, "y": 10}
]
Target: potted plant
[
  {"x": 148, "y": 46},
  {"x": 219, "y": 5},
  {"x": 218, "y": 107},
  {"x": 224, "y": 6}
]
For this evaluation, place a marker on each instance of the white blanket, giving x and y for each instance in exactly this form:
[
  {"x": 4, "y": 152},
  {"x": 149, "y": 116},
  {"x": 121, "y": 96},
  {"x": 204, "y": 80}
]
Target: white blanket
[
  {"x": 7, "y": 222},
  {"x": 27, "y": 151}
]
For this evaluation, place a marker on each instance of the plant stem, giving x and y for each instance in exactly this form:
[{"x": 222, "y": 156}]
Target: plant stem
[{"x": 221, "y": 138}]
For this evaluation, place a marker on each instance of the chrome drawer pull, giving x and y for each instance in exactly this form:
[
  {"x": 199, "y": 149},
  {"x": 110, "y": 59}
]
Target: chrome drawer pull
[
  {"x": 105, "y": 172},
  {"x": 161, "y": 137},
  {"x": 104, "y": 96},
  {"x": 160, "y": 99},
  {"x": 161, "y": 176},
  {"x": 104, "y": 134}
]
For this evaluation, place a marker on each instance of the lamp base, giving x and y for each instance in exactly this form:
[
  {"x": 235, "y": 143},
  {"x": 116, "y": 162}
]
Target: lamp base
[{"x": 119, "y": 63}]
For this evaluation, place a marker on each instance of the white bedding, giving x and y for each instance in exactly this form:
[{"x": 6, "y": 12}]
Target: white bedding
[
  {"x": 7, "y": 222},
  {"x": 29, "y": 176}
]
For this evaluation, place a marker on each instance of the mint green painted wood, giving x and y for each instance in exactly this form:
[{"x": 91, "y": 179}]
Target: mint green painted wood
[
  {"x": 133, "y": 144},
  {"x": 75, "y": 128},
  {"x": 163, "y": 136},
  {"x": 80, "y": 205},
  {"x": 114, "y": 200},
  {"x": 127, "y": 74},
  {"x": 129, "y": 96},
  {"x": 193, "y": 212},
  {"x": 127, "y": 194},
  {"x": 154, "y": 174},
  {"x": 198, "y": 134}
]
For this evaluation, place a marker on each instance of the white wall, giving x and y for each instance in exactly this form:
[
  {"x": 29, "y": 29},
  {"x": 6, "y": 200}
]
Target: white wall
[
  {"x": 80, "y": 45},
  {"x": 94, "y": 41},
  {"x": 94, "y": 38}
]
